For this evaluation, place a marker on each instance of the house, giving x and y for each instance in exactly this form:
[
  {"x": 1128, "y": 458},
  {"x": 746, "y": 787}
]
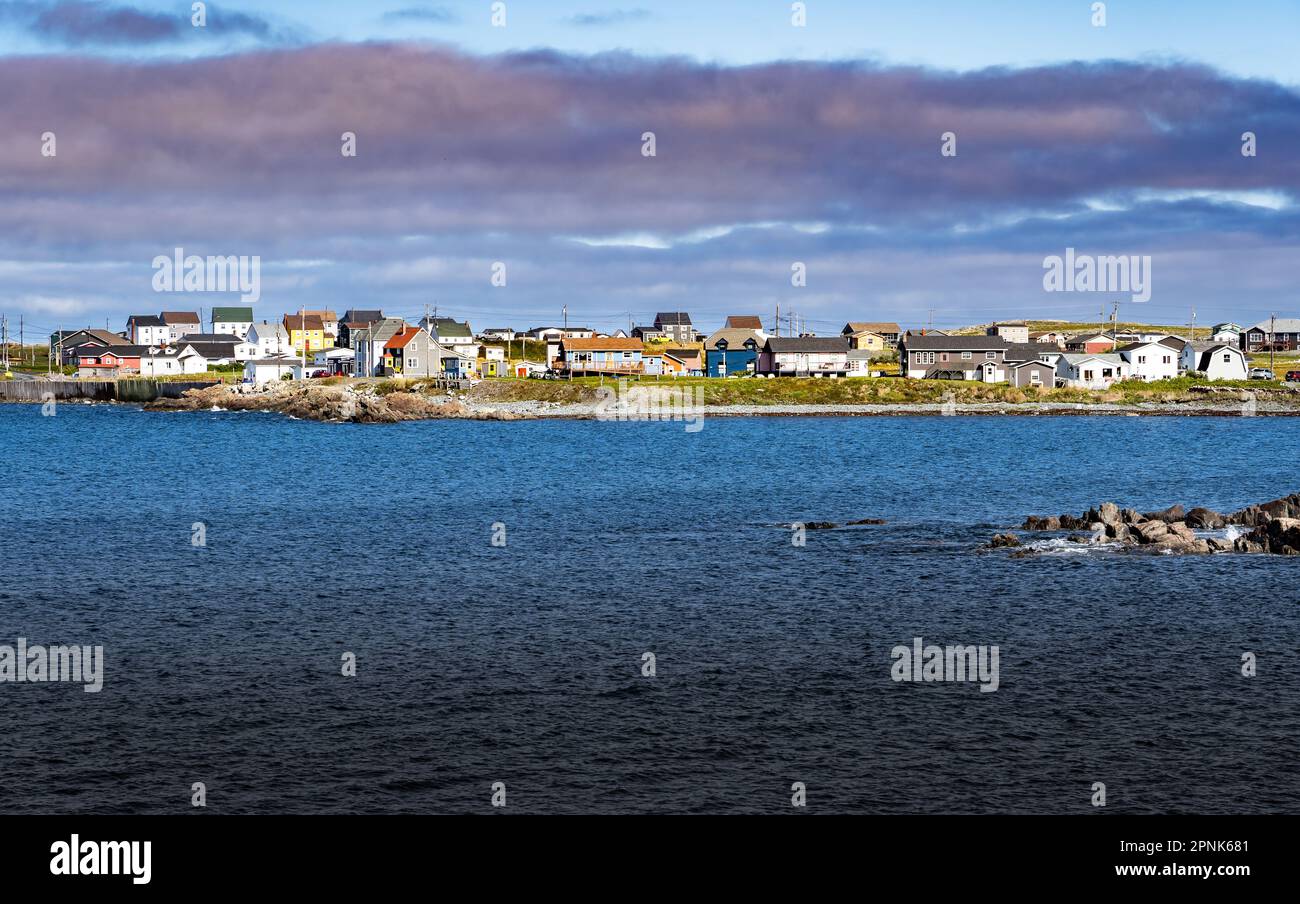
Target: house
[
  {"x": 1048, "y": 337},
  {"x": 368, "y": 343},
  {"x": 1013, "y": 331},
  {"x": 691, "y": 360},
  {"x": 146, "y": 329},
  {"x": 412, "y": 352},
  {"x": 161, "y": 361},
  {"x": 652, "y": 362},
  {"x": 546, "y": 333},
  {"x": 525, "y": 369},
  {"x": 217, "y": 351},
  {"x": 498, "y": 334},
  {"x": 744, "y": 322},
  {"x": 1150, "y": 361},
  {"x": 458, "y": 360},
  {"x": 1087, "y": 371},
  {"x": 1033, "y": 372},
  {"x": 180, "y": 323},
  {"x": 67, "y": 344},
  {"x": 1216, "y": 360},
  {"x": 355, "y": 319},
  {"x": 890, "y": 332},
  {"x": 447, "y": 332},
  {"x": 232, "y": 321},
  {"x": 805, "y": 356},
  {"x": 261, "y": 371},
  {"x": 936, "y": 357},
  {"x": 329, "y": 322},
  {"x": 603, "y": 357},
  {"x": 1090, "y": 343},
  {"x": 1229, "y": 333},
  {"x": 676, "y": 326},
  {"x": 306, "y": 333},
  {"x": 648, "y": 333},
  {"x": 868, "y": 341},
  {"x": 732, "y": 350},
  {"x": 101, "y": 362},
  {"x": 1279, "y": 335},
  {"x": 334, "y": 361},
  {"x": 267, "y": 340},
  {"x": 860, "y": 362},
  {"x": 493, "y": 363}
]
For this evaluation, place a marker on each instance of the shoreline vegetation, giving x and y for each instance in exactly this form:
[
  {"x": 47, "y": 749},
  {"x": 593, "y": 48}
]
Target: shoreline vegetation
[{"x": 395, "y": 400}]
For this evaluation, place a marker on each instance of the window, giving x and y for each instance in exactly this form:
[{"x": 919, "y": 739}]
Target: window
[
  {"x": 991, "y": 355},
  {"x": 966, "y": 356},
  {"x": 1227, "y": 359},
  {"x": 943, "y": 357},
  {"x": 1087, "y": 375},
  {"x": 1142, "y": 359}
]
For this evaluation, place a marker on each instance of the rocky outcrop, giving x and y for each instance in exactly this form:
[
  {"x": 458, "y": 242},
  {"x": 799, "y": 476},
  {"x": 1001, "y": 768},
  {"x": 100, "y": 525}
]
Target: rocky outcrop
[
  {"x": 1004, "y": 541},
  {"x": 1174, "y": 530}
]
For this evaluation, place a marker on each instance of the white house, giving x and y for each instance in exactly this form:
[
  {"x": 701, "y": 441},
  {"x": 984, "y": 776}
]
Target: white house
[
  {"x": 267, "y": 340},
  {"x": 146, "y": 329},
  {"x": 808, "y": 356},
  {"x": 1091, "y": 371},
  {"x": 1150, "y": 361},
  {"x": 860, "y": 362},
  {"x": 175, "y": 359},
  {"x": 1226, "y": 333},
  {"x": 270, "y": 370},
  {"x": 1015, "y": 331},
  {"x": 335, "y": 360},
  {"x": 232, "y": 322},
  {"x": 1217, "y": 360}
]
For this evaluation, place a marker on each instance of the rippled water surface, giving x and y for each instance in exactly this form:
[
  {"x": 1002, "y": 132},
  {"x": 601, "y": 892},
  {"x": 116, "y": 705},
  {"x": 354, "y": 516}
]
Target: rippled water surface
[{"x": 522, "y": 664}]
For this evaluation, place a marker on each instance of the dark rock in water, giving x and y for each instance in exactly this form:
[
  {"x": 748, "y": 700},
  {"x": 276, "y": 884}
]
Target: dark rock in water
[
  {"x": 1130, "y": 516},
  {"x": 1042, "y": 522},
  {"x": 1151, "y": 531},
  {"x": 1108, "y": 513},
  {"x": 1079, "y": 538},
  {"x": 1182, "y": 531},
  {"x": 1169, "y": 515},
  {"x": 1069, "y": 522},
  {"x": 863, "y": 521},
  {"x": 1117, "y": 531},
  {"x": 1205, "y": 519},
  {"x": 1024, "y": 553},
  {"x": 1004, "y": 541},
  {"x": 1218, "y": 544},
  {"x": 1255, "y": 515},
  {"x": 820, "y": 525}
]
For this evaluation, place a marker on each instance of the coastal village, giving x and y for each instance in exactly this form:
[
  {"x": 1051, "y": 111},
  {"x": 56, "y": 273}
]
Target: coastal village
[{"x": 312, "y": 344}]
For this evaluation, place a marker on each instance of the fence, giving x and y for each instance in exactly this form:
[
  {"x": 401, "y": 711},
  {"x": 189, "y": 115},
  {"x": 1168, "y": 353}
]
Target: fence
[{"x": 95, "y": 390}]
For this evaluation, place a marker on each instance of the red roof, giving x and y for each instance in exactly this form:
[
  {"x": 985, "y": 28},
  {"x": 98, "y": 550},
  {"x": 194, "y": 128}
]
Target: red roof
[{"x": 403, "y": 338}]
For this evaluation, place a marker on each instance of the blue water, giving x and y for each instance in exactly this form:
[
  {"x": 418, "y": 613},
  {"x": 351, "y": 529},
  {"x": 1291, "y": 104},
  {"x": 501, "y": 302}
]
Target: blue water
[{"x": 522, "y": 664}]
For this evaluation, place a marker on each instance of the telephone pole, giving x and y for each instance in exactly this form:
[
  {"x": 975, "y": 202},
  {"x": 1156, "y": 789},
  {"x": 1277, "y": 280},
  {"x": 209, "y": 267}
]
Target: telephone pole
[
  {"x": 1272, "y": 342},
  {"x": 778, "y": 320}
]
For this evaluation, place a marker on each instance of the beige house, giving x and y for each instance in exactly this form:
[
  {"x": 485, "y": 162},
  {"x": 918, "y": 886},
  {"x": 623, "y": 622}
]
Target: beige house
[{"x": 868, "y": 341}]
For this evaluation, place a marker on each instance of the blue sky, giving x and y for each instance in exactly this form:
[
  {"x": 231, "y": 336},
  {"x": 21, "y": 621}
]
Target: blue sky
[{"x": 778, "y": 144}]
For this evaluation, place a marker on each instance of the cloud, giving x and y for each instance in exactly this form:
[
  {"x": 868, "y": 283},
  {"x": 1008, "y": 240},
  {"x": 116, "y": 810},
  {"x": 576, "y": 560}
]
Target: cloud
[
  {"x": 611, "y": 17},
  {"x": 79, "y": 23},
  {"x": 437, "y": 14},
  {"x": 465, "y": 159}
]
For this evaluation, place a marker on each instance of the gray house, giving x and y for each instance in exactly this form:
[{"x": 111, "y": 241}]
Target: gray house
[{"x": 930, "y": 357}]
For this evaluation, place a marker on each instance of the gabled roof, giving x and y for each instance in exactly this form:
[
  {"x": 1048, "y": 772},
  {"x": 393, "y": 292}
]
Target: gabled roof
[
  {"x": 673, "y": 318},
  {"x": 300, "y": 322},
  {"x": 736, "y": 338},
  {"x": 956, "y": 343},
  {"x": 1102, "y": 357},
  {"x": 353, "y": 315},
  {"x": 448, "y": 328},
  {"x": 145, "y": 320},
  {"x": 120, "y": 351},
  {"x": 326, "y": 316},
  {"x": 232, "y": 315},
  {"x": 265, "y": 328},
  {"x": 859, "y": 326},
  {"x": 786, "y": 344},
  {"x": 602, "y": 345},
  {"x": 1023, "y": 351},
  {"x": 402, "y": 338},
  {"x": 744, "y": 322},
  {"x": 176, "y": 318},
  {"x": 685, "y": 355},
  {"x": 380, "y": 331},
  {"x": 70, "y": 337},
  {"x": 1281, "y": 325}
]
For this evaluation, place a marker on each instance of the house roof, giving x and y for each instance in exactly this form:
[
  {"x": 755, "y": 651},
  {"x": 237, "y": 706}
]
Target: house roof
[
  {"x": 860, "y": 354},
  {"x": 957, "y": 343},
  {"x": 1203, "y": 354},
  {"x": 603, "y": 345},
  {"x": 786, "y": 344},
  {"x": 179, "y": 317},
  {"x": 448, "y": 328},
  {"x": 1104, "y": 358},
  {"x": 103, "y": 336},
  {"x": 744, "y": 322},
  {"x": 300, "y": 322},
  {"x": 1023, "y": 351},
  {"x": 232, "y": 315},
  {"x": 1014, "y": 365},
  {"x": 145, "y": 320},
  {"x": 402, "y": 338},
  {"x": 353, "y": 315},
  {"x": 325, "y": 315},
  {"x": 1281, "y": 325},
  {"x": 263, "y": 328},
  {"x": 381, "y": 331},
  {"x": 736, "y": 338},
  {"x": 685, "y": 355},
  {"x": 120, "y": 351},
  {"x": 855, "y": 326},
  {"x": 673, "y": 318}
]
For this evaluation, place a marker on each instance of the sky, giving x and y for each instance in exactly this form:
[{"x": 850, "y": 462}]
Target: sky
[{"x": 519, "y": 150}]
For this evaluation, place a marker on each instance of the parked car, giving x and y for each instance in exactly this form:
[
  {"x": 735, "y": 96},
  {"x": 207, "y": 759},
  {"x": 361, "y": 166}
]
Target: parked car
[
  {"x": 1261, "y": 373},
  {"x": 1293, "y": 376}
]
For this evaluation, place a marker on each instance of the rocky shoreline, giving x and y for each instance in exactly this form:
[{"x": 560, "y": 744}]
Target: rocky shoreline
[{"x": 1274, "y": 529}]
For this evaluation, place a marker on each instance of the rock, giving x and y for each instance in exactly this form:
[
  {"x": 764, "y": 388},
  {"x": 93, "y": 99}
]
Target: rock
[
  {"x": 820, "y": 525},
  {"x": 1173, "y": 513},
  {"x": 1038, "y": 522},
  {"x": 1080, "y": 538},
  {"x": 862, "y": 521},
  {"x": 1117, "y": 531},
  {"x": 1004, "y": 541},
  {"x": 1283, "y": 534},
  {"x": 1218, "y": 544},
  {"x": 1108, "y": 513},
  {"x": 1097, "y": 527},
  {"x": 1130, "y": 516},
  {"x": 1172, "y": 543},
  {"x": 1070, "y": 522},
  {"x": 1205, "y": 519},
  {"x": 1151, "y": 531},
  {"x": 1181, "y": 530}
]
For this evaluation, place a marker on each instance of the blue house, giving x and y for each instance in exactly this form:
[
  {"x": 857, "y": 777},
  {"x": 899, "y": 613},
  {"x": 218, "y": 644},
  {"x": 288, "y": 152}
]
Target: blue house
[{"x": 731, "y": 352}]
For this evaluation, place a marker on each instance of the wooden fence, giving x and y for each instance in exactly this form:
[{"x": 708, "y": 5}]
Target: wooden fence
[{"x": 95, "y": 390}]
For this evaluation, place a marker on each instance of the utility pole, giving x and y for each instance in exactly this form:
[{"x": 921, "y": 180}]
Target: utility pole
[
  {"x": 302, "y": 313},
  {"x": 778, "y": 320},
  {"x": 428, "y": 324},
  {"x": 566, "y": 318},
  {"x": 1114, "y": 329},
  {"x": 1272, "y": 343}
]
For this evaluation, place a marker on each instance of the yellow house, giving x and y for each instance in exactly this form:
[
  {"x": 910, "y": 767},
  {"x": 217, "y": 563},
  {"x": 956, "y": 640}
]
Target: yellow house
[
  {"x": 307, "y": 329},
  {"x": 869, "y": 341}
]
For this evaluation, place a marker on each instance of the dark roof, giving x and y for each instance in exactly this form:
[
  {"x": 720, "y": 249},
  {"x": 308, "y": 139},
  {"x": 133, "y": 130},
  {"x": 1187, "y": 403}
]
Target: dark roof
[
  {"x": 145, "y": 320},
  {"x": 121, "y": 351},
  {"x": 956, "y": 343},
  {"x": 170, "y": 317},
  {"x": 355, "y": 316},
  {"x": 744, "y": 322},
  {"x": 232, "y": 315},
  {"x": 1023, "y": 351},
  {"x": 673, "y": 318},
  {"x": 223, "y": 338},
  {"x": 808, "y": 344}
]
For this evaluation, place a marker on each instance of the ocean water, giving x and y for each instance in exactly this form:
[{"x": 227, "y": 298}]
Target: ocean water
[{"x": 523, "y": 663}]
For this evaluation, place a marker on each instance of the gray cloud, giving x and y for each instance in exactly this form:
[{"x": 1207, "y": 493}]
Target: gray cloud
[{"x": 80, "y": 23}]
